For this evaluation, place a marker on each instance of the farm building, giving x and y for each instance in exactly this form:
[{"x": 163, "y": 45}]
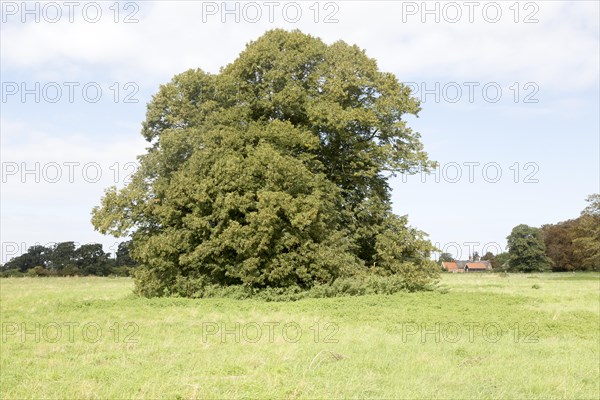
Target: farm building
[{"x": 467, "y": 266}]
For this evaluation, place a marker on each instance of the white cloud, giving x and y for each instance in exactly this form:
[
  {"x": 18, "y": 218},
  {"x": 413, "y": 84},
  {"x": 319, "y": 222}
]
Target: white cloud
[{"x": 559, "y": 52}]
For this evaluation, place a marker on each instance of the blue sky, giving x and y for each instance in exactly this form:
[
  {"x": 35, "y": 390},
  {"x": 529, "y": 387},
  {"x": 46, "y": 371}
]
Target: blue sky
[{"x": 548, "y": 131}]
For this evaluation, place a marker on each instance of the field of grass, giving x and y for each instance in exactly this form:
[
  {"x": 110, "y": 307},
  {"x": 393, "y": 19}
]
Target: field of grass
[{"x": 477, "y": 336}]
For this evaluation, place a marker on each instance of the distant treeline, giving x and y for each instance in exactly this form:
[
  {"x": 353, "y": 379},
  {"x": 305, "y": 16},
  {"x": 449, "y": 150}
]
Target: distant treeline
[
  {"x": 572, "y": 245},
  {"x": 65, "y": 259}
]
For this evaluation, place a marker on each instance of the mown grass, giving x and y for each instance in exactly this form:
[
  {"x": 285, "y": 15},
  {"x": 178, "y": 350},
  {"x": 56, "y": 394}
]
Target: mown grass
[{"x": 477, "y": 336}]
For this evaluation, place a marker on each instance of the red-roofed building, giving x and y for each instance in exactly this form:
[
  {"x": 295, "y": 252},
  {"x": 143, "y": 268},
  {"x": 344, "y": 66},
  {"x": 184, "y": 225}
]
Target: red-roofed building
[
  {"x": 477, "y": 266},
  {"x": 467, "y": 266},
  {"x": 450, "y": 266}
]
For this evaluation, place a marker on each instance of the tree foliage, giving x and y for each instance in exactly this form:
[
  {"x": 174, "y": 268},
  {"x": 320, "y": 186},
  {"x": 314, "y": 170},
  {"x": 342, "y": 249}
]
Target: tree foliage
[
  {"x": 273, "y": 172},
  {"x": 66, "y": 259},
  {"x": 123, "y": 255},
  {"x": 574, "y": 245},
  {"x": 62, "y": 256},
  {"x": 36, "y": 255},
  {"x": 446, "y": 257},
  {"x": 587, "y": 232},
  {"x": 558, "y": 239},
  {"x": 502, "y": 260},
  {"x": 526, "y": 250},
  {"x": 489, "y": 256}
]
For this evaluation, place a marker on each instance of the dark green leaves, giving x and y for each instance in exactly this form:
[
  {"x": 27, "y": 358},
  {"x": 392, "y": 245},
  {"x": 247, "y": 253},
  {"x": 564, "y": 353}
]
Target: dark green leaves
[{"x": 272, "y": 172}]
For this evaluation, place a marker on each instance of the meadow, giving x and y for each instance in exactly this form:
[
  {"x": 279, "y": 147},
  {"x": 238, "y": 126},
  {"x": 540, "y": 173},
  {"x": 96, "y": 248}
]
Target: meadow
[{"x": 475, "y": 336}]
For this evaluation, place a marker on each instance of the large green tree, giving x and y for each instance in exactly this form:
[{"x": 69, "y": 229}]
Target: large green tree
[
  {"x": 526, "y": 250},
  {"x": 273, "y": 172}
]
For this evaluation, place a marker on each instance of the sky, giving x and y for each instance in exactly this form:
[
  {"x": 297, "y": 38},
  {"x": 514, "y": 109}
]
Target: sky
[{"x": 509, "y": 95}]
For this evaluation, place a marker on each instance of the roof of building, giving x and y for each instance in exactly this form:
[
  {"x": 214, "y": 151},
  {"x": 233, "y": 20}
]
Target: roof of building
[
  {"x": 449, "y": 265},
  {"x": 478, "y": 265},
  {"x": 482, "y": 264}
]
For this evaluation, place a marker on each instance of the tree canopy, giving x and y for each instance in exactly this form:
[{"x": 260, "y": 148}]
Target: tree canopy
[
  {"x": 587, "y": 241},
  {"x": 273, "y": 173},
  {"x": 66, "y": 259},
  {"x": 446, "y": 257},
  {"x": 575, "y": 244},
  {"x": 526, "y": 250},
  {"x": 493, "y": 259}
]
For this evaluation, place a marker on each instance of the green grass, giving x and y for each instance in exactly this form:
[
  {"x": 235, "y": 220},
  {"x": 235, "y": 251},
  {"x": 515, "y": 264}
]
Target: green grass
[{"x": 537, "y": 343}]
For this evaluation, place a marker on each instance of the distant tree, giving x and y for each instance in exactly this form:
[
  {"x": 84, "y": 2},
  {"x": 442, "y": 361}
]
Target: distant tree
[
  {"x": 575, "y": 244},
  {"x": 123, "y": 255},
  {"x": 63, "y": 259},
  {"x": 526, "y": 249},
  {"x": 92, "y": 260},
  {"x": 35, "y": 256},
  {"x": 446, "y": 257},
  {"x": 587, "y": 232},
  {"x": 20, "y": 263},
  {"x": 502, "y": 260},
  {"x": 489, "y": 256},
  {"x": 62, "y": 256},
  {"x": 476, "y": 256},
  {"x": 558, "y": 239}
]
